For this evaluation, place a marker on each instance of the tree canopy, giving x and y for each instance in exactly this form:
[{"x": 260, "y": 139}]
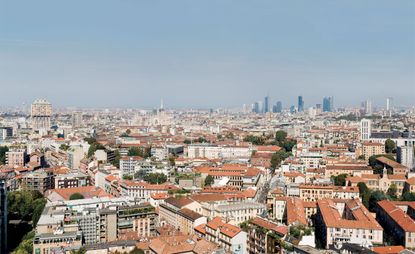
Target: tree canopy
[
  {"x": 209, "y": 180},
  {"x": 155, "y": 178},
  {"x": 76, "y": 196},
  {"x": 339, "y": 180},
  {"x": 390, "y": 146}
]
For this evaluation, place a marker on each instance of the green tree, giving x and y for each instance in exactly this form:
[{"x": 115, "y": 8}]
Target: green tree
[
  {"x": 209, "y": 180},
  {"x": 137, "y": 251},
  {"x": 81, "y": 250},
  {"x": 64, "y": 147},
  {"x": 339, "y": 180},
  {"x": 390, "y": 146},
  {"x": 392, "y": 191},
  {"x": 375, "y": 197},
  {"x": 26, "y": 244},
  {"x": 364, "y": 194},
  {"x": 255, "y": 140},
  {"x": 3, "y": 151},
  {"x": 135, "y": 151},
  {"x": 117, "y": 157},
  {"x": 127, "y": 177},
  {"x": 76, "y": 196},
  {"x": 38, "y": 206},
  {"x": 155, "y": 178},
  {"x": 280, "y": 137},
  {"x": 408, "y": 196}
]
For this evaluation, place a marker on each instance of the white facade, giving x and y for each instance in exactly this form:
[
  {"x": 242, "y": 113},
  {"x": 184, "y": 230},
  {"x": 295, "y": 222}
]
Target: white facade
[{"x": 365, "y": 129}]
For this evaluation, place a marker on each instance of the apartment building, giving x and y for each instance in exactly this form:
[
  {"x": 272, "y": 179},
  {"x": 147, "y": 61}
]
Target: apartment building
[
  {"x": 16, "y": 158},
  {"x": 234, "y": 212},
  {"x": 143, "y": 190},
  {"x": 211, "y": 151},
  {"x": 181, "y": 213},
  {"x": 397, "y": 218},
  {"x": 340, "y": 221},
  {"x": 264, "y": 235},
  {"x": 231, "y": 238},
  {"x": 128, "y": 164},
  {"x": 40, "y": 180},
  {"x": 71, "y": 180},
  {"x": 91, "y": 221},
  {"x": 371, "y": 148}
]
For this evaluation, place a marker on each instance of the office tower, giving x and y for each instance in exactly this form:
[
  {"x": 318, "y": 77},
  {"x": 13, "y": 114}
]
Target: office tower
[
  {"x": 41, "y": 113},
  {"x": 277, "y": 108},
  {"x": 300, "y": 104},
  {"x": 76, "y": 119},
  {"x": 365, "y": 129},
  {"x": 389, "y": 104},
  {"x": 266, "y": 104},
  {"x": 260, "y": 107},
  {"x": 3, "y": 214},
  {"x": 405, "y": 156},
  {"x": 256, "y": 107},
  {"x": 292, "y": 109},
  {"x": 368, "y": 107},
  {"x": 328, "y": 104}
]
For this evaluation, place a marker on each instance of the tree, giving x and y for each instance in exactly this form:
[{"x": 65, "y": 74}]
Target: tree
[
  {"x": 64, "y": 147},
  {"x": 38, "y": 206},
  {"x": 392, "y": 191},
  {"x": 81, "y": 250},
  {"x": 280, "y": 137},
  {"x": 3, "y": 150},
  {"x": 117, "y": 157},
  {"x": 26, "y": 244},
  {"x": 155, "y": 178},
  {"x": 339, "y": 180},
  {"x": 390, "y": 146},
  {"x": 127, "y": 177},
  {"x": 76, "y": 196},
  {"x": 172, "y": 161},
  {"x": 364, "y": 194},
  {"x": 408, "y": 196},
  {"x": 135, "y": 151},
  {"x": 255, "y": 140},
  {"x": 209, "y": 180},
  {"x": 375, "y": 197},
  {"x": 136, "y": 251},
  {"x": 278, "y": 157}
]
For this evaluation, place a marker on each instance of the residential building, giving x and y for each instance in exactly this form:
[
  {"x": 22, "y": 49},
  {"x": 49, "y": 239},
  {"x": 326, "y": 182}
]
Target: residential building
[
  {"x": 369, "y": 149},
  {"x": 41, "y": 113},
  {"x": 365, "y": 129},
  {"x": 16, "y": 157},
  {"x": 231, "y": 238},
  {"x": 340, "y": 221},
  {"x": 405, "y": 156},
  {"x": 39, "y": 180},
  {"x": 397, "y": 218},
  {"x": 264, "y": 236},
  {"x": 128, "y": 164}
]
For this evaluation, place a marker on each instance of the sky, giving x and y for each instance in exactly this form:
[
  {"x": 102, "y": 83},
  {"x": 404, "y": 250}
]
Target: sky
[{"x": 202, "y": 54}]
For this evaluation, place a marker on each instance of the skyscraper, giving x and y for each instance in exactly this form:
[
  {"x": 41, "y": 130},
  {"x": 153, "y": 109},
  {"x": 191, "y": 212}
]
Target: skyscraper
[
  {"x": 328, "y": 104},
  {"x": 300, "y": 104},
  {"x": 266, "y": 104},
  {"x": 277, "y": 108},
  {"x": 41, "y": 112},
  {"x": 3, "y": 214},
  {"x": 368, "y": 107},
  {"x": 389, "y": 104},
  {"x": 256, "y": 107}
]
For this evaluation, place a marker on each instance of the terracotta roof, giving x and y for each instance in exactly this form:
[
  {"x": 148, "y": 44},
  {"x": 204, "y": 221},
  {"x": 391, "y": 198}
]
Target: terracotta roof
[
  {"x": 333, "y": 219},
  {"x": 224, "y": 228},
  {"x": 189, "y": 214},
  {"x": 178, "y": 202},
  {"x": 280, "y": 229},
  {"x": 398, "y": 215},
  {"x": 390, "y": 163},
  {"x": 388, "y": 249},
  {"x": 86, "y": 191}
]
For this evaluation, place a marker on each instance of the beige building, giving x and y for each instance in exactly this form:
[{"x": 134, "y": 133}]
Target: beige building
[
  {"x": 16, "y": 158},
  {"x": 371, "y": 148},
  {"x": 340, "y": 221},
  {"x": 41, "y": 113}
]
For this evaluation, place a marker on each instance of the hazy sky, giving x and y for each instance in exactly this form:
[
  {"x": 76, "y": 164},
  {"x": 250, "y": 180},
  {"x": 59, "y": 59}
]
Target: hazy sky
[{"x": 206, "y": 53}]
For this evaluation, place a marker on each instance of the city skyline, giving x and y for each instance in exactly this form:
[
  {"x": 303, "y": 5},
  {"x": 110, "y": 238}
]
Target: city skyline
[{"x": 194, "y": 48}]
